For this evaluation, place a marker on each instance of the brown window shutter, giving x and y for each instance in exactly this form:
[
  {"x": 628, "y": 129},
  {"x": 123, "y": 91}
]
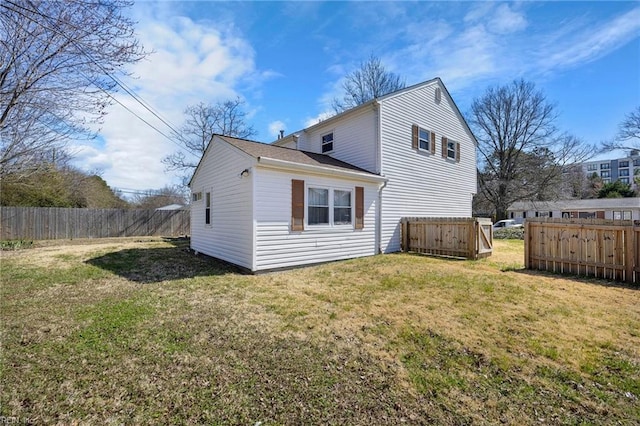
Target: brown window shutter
[
  {"x": 433, "y": 143},
  {"x": 414, "y": 136},
  {"x": 457, "y": 151},
  {"x": 359, "y": 207},
  {"x": 297, "y": 205},
  {"x": 444, "y": 147}
]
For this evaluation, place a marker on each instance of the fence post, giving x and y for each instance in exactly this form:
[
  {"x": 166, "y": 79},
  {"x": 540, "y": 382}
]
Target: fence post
[
  {"x": 629, "y": 255},
  {"x": 527, "y": 241}
]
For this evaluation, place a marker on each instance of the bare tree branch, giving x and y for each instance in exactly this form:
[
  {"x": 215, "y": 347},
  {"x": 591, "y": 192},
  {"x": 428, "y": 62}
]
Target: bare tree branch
[
  {"x": 202, "y": 122},
  {"x": 368, "y": 82},
  {"x": 522, "y": 155},
  {"x": 57, "y": 61}
]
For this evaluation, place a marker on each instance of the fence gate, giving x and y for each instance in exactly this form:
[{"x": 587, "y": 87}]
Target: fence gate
[{"x": 469, "y": 238}]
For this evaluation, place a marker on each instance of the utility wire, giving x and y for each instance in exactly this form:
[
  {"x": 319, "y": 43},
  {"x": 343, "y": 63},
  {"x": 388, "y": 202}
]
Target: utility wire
[{"x": 116, "y": 80}]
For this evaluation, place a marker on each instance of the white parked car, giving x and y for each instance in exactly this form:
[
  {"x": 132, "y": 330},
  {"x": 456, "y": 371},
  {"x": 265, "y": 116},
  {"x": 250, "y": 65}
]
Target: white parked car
[{"x": 507, "y": 223}]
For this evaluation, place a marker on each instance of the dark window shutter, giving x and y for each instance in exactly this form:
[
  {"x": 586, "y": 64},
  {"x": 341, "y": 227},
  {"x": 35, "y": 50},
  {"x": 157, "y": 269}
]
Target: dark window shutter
[
  {"x": 297, "y": 205},
  {"x": 457, "y": 151},
  {"x": 444, "y": 147},
  {"x": 433, "y": 143},
  {"x": 414, "y": 136},
  {"x": 359, "y": 207}
]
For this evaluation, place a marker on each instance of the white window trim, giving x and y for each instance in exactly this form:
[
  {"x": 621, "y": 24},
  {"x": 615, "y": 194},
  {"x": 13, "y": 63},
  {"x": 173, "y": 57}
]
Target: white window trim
[
  {"x": 331, "y": 224},
  {"x": 333, "y": 142},
  {"x": 428, "y": 148},
  {"x": 210, "y": 224},
  {"x": 449, "y": 141},
  {"x": 196, "y": 196}
]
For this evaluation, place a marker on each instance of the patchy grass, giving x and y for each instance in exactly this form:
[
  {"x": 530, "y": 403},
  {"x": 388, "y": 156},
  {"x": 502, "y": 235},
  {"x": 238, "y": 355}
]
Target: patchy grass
[{"x": 144, "y": 332}]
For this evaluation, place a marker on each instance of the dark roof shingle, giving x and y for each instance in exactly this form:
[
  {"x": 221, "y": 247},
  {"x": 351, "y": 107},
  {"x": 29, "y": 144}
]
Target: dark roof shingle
[{"x": 258, "y": 149}]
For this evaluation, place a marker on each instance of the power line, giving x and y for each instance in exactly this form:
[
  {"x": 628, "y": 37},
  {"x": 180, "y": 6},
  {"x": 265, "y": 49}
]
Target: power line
[{"x": 116, "y": 80}]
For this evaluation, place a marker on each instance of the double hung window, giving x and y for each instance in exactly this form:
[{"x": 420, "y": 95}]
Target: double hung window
[{"x": 328, "y": 206}]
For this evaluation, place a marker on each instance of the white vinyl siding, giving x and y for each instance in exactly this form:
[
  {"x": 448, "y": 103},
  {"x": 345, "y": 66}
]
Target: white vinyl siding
[
  {"x": 279, "y": 247},
  {"x": 229, "y": 236},
  {"x": 422, "y": 185},
  {"x": 354, "y": 139}
]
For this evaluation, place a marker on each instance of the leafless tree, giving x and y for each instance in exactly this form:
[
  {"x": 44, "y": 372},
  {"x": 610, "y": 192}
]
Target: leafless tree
[
  {"x": 153, "y": 199},
  {"x": 371, "y": 80},
  {"x": 226, "y": 118},
  {"x": 522, "y": 153},
  {"x": 628, "y": 136},
  {"x": 58, "y": 60}
]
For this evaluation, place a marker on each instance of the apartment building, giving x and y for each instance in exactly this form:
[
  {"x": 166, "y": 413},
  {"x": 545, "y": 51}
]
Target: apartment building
[{"x": 622, "y": 169}]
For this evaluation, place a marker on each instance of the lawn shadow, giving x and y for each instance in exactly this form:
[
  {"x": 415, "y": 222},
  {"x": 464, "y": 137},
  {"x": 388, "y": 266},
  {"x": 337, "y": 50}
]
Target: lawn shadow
[
  {"x": 576, "y": 278},
  {"x": 153, "y": 265}
]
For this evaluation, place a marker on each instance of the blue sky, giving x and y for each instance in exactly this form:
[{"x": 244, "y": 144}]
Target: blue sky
[{"x": 287, "y": 59}]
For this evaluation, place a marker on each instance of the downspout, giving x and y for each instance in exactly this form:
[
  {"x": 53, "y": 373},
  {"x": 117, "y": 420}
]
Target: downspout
[{"x": 376, "y": 105}]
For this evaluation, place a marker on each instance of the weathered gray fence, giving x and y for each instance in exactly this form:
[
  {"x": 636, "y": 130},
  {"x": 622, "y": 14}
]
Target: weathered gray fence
[{"x": 52, "y": 223}]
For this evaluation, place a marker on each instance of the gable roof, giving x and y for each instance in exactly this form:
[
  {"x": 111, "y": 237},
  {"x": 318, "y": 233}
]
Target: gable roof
[{"x": 287, "y": 156}]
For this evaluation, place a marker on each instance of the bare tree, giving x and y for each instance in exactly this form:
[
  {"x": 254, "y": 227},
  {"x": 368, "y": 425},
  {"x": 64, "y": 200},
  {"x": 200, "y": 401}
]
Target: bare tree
[
  {"x": 57, "y": 63},
  {"x": 153, "y": 199},
  {"x": 628, "y": 136},
  {"x": 370, "y": 81},
  {"x": 202, "y": 122},
  {"x": 522, "y": 154}
]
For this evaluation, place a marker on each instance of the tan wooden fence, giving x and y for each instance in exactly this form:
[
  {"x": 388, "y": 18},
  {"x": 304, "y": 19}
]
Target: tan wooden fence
[
  {"x": 52, "y": 223},
  {"x": 469, "y": 238},
  {"x": 593, "y": 247}
]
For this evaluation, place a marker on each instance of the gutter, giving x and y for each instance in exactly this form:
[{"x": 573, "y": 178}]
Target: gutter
[{"x": 273, "y": 163}]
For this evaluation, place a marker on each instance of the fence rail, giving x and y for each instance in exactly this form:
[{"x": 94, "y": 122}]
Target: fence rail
[
  {"x": 470, "y": 238},
  {"x": 52, "y": 223},
  {"x": 593, "y": 247}
]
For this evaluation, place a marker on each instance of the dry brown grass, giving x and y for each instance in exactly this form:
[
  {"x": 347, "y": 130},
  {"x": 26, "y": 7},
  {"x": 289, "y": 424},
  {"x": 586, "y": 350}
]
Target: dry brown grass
[{"x": 145, "y": 332}]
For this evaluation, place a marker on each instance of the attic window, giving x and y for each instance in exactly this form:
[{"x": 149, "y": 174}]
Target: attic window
[
  {"x": 423, "y": 139},
  {"x": 450, "y": 149},
  {"x": 327, "y": 142},
  {"x": 196, "y": 196}
]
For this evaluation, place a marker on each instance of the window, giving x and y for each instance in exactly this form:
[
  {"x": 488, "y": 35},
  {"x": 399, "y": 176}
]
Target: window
[
  {"x": 329, "y": 206},
  {"x": 636, "y": 162},
  {"x": 196, "y": 196},
  {"x": 451, "y": 150},
  {"x": 605, "y": 174},
  {"x": 423, "y": 139},
  {"x": 207, "y": 209},
  {"x": 623, "y": 164},
  {"x": 624, "y": 180},
  {"x": 318, "y": 206},
  {"x": 326, "y": 206},
  {"x": 624, "y": 172},
  {"x": 327, "y": 142},
  {"x": 341, "y": 207},
  {"x": 591, "y": 167},
  {"x": 605, "y": 166},
  {"x": 622, "y": 215}
]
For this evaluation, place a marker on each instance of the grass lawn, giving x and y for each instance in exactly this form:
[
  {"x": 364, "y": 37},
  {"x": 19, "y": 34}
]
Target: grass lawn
[{"x": 144, "y": 332}]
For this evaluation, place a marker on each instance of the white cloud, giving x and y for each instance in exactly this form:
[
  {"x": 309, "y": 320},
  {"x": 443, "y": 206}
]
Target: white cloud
[
  {"x": 589, "y": 42},
  {"x": 192, "y": 62},
  {"x": 275, "y": 127},
  {"x": 505, "y": 20},
  {"x": 310, "y": 121}
]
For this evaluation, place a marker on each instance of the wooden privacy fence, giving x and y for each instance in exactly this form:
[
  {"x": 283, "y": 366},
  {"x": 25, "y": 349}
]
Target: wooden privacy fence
[
  {"x": 594, "y": 247},
  {"x": 52, "y": 223},
  {"x": 466, "y": 237}
]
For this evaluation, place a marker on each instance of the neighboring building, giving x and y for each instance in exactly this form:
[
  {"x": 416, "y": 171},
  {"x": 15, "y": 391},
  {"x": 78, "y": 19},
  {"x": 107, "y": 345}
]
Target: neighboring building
[
  {"x": 173, "y": 207},
  {"x": 337, "y": 189},
  {"x": 622, "y": 169},
  {"x": 600, "y": 208}
]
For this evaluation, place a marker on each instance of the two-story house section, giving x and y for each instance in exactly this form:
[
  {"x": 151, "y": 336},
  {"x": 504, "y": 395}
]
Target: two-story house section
[
  {"x": 337, "y": 189},
  {"x": 418, "y": 140}
]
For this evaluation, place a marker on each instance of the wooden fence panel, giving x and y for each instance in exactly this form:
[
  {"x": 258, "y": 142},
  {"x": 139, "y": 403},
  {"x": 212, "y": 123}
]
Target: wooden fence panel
[
  {"x": 598, "y": 248},
  {"x": 469, "y": 238},
  {"x": 51, "y": 223}
]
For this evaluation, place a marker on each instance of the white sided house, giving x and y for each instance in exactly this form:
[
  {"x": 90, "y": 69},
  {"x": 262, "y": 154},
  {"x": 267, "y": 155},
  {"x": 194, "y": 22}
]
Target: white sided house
[{"x": 337, "y": 189}]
